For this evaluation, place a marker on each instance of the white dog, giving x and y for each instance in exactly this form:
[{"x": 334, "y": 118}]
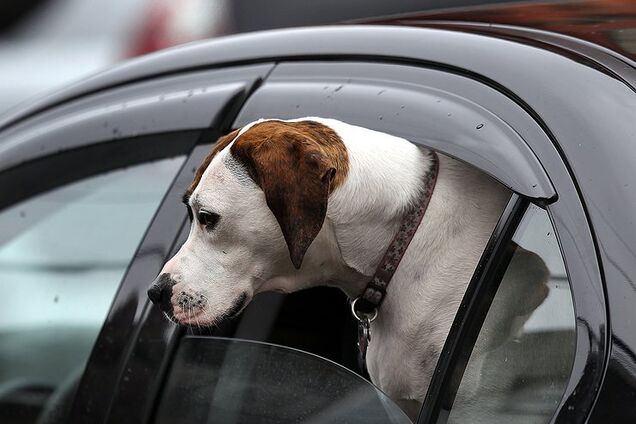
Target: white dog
[{"x": 287, "y": 205}]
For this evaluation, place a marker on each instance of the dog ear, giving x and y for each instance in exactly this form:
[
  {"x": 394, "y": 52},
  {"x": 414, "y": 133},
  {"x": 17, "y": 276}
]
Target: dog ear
[{"x": 296, "y": 176}]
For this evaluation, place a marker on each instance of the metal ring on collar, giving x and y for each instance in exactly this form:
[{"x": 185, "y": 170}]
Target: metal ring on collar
[{"x": 374, "y": 314}]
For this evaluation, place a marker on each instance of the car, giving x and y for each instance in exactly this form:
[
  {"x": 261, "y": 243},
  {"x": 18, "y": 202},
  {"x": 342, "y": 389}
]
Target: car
[{"x": 91, "y": 182}]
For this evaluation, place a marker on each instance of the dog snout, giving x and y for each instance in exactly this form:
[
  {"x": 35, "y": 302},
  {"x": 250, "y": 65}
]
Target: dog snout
[
  {"x": 191, "y": 300},
  {"x": 161, "y": 289}
]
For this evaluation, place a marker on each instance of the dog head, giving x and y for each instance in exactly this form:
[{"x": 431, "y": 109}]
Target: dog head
[{"x": 257, "y": 203}]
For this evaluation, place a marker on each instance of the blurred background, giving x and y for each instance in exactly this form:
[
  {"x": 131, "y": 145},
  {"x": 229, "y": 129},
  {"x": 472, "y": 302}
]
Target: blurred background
[{"x": 45, "y": 44}]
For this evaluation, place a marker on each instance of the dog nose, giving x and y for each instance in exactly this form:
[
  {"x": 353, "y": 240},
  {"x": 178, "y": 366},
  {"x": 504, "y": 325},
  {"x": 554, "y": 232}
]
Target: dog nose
[
  {"x": 156, "y": 290},
  {"x": 154, "y": 293}
]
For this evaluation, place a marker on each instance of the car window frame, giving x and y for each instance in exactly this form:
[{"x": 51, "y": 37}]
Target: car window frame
[{"x": 566, "y": 208}]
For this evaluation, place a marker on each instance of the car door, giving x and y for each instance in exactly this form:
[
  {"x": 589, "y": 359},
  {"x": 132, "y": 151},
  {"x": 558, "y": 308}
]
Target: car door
[
  {"x": 82, "y": 187},
  {"x": 464, "y": 118}
]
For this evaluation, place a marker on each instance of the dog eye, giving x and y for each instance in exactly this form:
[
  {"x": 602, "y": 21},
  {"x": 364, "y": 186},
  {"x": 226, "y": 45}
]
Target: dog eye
[{"x": 208, "y": 219}]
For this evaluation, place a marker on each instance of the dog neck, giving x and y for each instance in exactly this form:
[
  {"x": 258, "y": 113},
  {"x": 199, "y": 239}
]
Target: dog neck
[{"x": 385, "y": 178}]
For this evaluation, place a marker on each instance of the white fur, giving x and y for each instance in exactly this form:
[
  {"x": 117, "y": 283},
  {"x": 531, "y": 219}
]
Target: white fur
[{"x": 246, "y": 253}]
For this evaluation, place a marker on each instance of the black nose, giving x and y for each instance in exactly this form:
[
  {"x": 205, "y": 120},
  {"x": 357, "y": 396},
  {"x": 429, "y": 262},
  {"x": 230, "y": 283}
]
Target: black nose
[
  {"x": 154, "y": 293},
  {"x": 158, "y": 288}
]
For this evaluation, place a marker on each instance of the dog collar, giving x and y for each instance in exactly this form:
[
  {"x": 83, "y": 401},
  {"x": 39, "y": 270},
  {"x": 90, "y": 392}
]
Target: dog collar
[{"x": 366, "y": 305}]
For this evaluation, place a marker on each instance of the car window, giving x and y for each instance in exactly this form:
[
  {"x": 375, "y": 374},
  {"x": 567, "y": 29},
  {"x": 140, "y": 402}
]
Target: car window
[
  {"x": 523, "y": 356},
  {"x": 62, "y": 256},
  {"x": 216, "y": 380}
]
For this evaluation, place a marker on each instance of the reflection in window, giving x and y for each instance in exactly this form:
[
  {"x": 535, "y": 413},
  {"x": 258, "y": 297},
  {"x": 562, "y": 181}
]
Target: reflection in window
[
  {"x": 216, "y": 380},
  {"x": 62, "y": 256},
  {"x": 521, "y": 362}
]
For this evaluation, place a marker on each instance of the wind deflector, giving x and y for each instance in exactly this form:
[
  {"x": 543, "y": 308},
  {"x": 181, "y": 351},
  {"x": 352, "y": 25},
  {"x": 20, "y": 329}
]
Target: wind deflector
[{"x": 450, "y": 113}]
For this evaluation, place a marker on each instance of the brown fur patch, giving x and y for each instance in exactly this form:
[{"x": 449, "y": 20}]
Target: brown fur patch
[
  {"x": 297, "y": 165},
  {"x": 310, "y": 136},
  {"x": 220, "y": 144}
]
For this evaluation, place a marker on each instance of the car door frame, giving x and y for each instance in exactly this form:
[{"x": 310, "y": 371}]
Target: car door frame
[
  {"x": 469, "y": 55},
  {"x": 565, "y": 206}
]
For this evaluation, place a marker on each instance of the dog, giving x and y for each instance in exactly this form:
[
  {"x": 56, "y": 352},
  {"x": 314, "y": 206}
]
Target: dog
[{"x": 284, "y": 205}]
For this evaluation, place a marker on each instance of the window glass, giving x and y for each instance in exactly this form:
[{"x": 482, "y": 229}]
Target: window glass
[
  {"x": 62, "y": 256},
  {"x": 216, "y": 380},
  {"x": 522, "y": 359}
]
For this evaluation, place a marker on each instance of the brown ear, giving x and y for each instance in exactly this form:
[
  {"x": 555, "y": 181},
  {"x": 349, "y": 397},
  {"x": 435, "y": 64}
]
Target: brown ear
[{"x": 296, "y": 176}]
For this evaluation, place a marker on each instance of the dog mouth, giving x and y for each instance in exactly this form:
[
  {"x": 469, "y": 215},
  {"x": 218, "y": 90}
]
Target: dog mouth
[
  {"x": 200, "y": 318},
  {"x": 237, "y": 307}
]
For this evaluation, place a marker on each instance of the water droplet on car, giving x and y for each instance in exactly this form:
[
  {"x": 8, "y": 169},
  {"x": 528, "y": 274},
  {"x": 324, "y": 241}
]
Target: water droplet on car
[
  {"x": 480, "y": 126},
  {"x": 402, "y": 107},
  {"x": 380, "y": 92},
  {"x": 380, "y": 117},
  {"x": 22, "y": 214},
  {"x": 338, "y": 88},
  {"x": 56, "y": 299},
  {"x": 449, "y": 114}
]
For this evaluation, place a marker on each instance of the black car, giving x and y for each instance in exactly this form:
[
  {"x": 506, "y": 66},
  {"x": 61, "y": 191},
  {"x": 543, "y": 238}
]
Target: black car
[{"x": 91, "y": 180}]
